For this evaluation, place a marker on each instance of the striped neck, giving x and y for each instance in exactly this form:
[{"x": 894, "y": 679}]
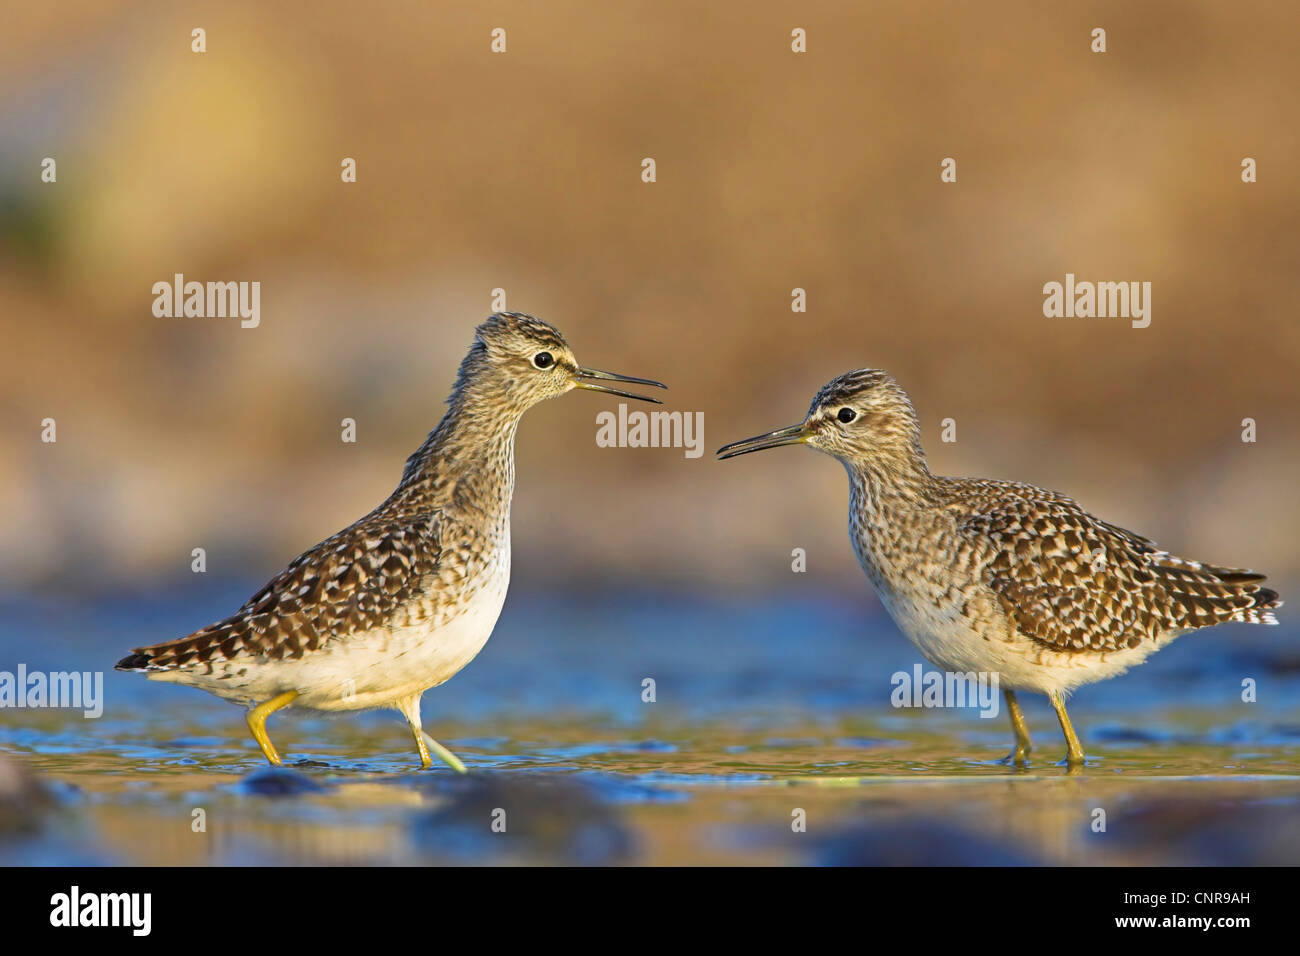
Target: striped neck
[
  {"x": 468, "y": 461},
  {"x": 888, "y": 488}
]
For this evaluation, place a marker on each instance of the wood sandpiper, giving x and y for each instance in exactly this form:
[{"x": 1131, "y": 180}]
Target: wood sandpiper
[
  {"x": 1001, "y": 577},
  {"x": 402, "y": 599}
]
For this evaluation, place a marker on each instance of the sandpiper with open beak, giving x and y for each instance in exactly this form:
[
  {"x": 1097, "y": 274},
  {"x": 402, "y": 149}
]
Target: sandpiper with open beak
[{"x": 403, "y": 598}]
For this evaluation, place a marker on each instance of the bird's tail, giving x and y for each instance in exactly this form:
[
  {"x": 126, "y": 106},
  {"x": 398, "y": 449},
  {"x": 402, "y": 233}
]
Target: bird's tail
[
  {"x": 133, "y": 662},
  {"x": 1206, "y": 594}
]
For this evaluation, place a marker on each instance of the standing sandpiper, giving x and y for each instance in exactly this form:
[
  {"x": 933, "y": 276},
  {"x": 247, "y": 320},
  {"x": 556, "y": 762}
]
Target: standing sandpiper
[
  {"x": 402, "y": 599},
  {"x": 1002, "y": 577}
]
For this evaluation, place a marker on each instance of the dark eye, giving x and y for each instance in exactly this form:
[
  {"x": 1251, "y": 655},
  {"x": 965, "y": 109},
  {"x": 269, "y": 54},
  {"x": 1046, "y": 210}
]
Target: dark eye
[
  {"x": 543, "y": 360},
  {"x": 846, "y": 415}
]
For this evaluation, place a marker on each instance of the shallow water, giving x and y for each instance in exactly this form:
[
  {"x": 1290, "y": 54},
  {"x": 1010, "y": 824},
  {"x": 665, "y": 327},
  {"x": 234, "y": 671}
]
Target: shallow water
[{"x": 764, "y": 714}]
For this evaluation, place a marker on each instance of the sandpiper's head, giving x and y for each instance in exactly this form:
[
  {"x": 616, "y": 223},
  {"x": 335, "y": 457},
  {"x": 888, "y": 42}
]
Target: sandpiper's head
[
  {"x": 521, "y": 360},
  {"x": 862, "y": 417}
]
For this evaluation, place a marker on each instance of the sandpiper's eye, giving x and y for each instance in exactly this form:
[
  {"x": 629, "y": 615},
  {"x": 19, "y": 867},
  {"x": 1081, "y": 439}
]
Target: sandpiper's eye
[
  {"x": 846, "y": 415},
  {"x": 543, "y": 360}
]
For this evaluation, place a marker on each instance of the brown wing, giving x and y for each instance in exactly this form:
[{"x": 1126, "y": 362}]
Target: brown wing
[
  {"x": 1075, "y": 583},
  {"x": 370, "y": 574}
]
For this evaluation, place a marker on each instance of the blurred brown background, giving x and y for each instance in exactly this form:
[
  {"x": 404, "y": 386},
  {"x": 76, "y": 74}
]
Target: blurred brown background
[{"x": 522, "y": 171}]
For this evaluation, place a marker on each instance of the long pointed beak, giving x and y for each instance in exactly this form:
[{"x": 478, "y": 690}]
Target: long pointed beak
[
  {"x": 584, "y": 373},
  {"x": 794, "y": 435}
]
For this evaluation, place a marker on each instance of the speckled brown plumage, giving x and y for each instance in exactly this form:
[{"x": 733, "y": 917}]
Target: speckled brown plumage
[
  {"x": 1000, "y": 577},
  {"x": 1008, "y": 553},
  {"x": 375, "y": 572},
  {"x": 402, "y": 599},
  {"x": 407, "y": 563},
  {"x": 1079, "y": 584}
]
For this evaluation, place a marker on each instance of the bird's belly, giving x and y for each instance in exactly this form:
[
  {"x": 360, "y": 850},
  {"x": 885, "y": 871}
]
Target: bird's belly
[
  {"x": 973, "y": 635},
  {"x": 938, "y": 629},
  {"x": 384, "y": 666},
  {"x": 371, "y": 669}
]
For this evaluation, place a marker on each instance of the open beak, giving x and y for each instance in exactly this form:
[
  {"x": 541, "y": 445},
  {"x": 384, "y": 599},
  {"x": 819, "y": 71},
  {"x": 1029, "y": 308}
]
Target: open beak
[
  {"x": 794, "y": 435},
  {"x": 585, "y": 373}
]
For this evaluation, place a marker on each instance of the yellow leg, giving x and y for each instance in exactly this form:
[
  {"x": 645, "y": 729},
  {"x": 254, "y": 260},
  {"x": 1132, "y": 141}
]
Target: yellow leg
[
  {"x": 425, "y": 760},
  {"x": 445, "y": 755},
  {"x": 1074, "y": 752},
  {"x": 410, "y": 708},
  {"x": 257, "y": 723},
  {"x": 1020, "y": 755}
]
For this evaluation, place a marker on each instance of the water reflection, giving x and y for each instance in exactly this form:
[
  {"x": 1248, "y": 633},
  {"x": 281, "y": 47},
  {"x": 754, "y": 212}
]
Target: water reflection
[{"x": 759, "y": 713}]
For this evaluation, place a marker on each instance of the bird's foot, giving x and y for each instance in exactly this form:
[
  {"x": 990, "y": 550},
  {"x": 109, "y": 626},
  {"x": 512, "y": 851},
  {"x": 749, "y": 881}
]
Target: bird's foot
[
  {"x": 1074, "y": 761},
  {"x": 1019, "y": 757}
]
